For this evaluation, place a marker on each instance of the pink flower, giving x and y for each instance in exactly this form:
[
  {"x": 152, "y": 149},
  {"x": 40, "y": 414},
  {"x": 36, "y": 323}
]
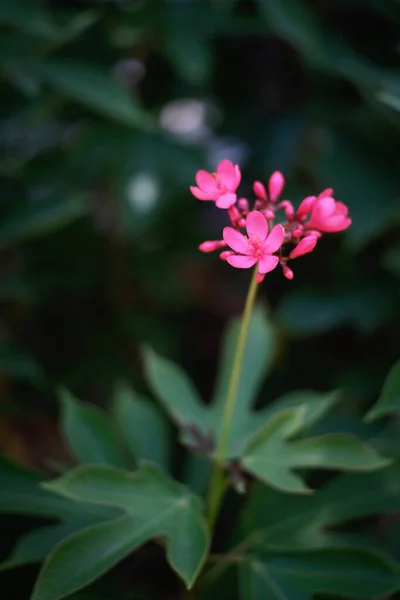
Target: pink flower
[
  {"x": 275, "y": 185},
  {"x": 220, "y": 186},
  {"x": 306, "y": 245},
  {"x": 258, "y": 247},
  {"x": 329, "y": 216}
]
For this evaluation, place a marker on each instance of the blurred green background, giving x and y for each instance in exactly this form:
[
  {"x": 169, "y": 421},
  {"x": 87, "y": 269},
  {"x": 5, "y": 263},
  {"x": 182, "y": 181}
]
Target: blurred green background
[{"x": 108, "y": 109}]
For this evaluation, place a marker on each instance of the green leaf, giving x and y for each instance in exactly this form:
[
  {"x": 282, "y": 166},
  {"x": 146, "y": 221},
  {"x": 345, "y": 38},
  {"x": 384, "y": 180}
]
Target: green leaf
[
  {"x": 17, "y": 483},
  {"x": 40, "y": 218},
  {"x": 154, "y": 506},
  {"x": 145, "y": 430},
  {"x": 29, "y": 17},
  {"x": 295, "y": 22},
  {"x": 96, "y": 89},
  {"x": 342, "y": 572},
  {"x": 38, "y": 543},
  {"x": 309, "y": 312},
  {"x": 271, "y": 456},
  {"x": 365, "y": 182},
  {"x": 20, "y": 365},
  {"x": 388, "y": 402},
  {"x": 283, "y": 521},
  {"x": 175, "y": 391},
  {"x": 180, "y": 399},
  {"x": 190, "y": 56},
  {"x": 314, "y": 406},
  {"x": 89, "y": 433}
]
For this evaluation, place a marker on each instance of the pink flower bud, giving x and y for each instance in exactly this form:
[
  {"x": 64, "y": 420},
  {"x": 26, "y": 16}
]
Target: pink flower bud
[
  {"x": 242, "y": 223},
  {"x": 306, "y": 245},
  {"x": 224, "y": 255},
  {"x": 275, "y": 185},
  {"x": 268, "y": 214},
  {"x": 288, "y": 273},
  {"x": 298, "y": 231},
  {"x": 211, "y": 245},
  {"x": 260, "y": 191},
  {"x": 243, "y": 205},
  {"x": 260, "y": 277},
  {"x": 234, "y": 215},
  {"x": 288, "y": 208},
  {"x": 306, "y": 206}
]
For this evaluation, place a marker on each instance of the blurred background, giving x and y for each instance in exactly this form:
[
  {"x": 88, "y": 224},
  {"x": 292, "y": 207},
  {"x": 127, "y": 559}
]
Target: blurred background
[{"x": 108, "y": 110}]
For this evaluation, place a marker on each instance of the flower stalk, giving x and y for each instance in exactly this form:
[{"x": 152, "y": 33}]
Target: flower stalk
[{"x": 218, "y": 482}]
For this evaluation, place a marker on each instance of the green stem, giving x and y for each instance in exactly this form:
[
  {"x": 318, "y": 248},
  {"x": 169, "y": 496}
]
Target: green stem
[{"x": 218, "y": 483}]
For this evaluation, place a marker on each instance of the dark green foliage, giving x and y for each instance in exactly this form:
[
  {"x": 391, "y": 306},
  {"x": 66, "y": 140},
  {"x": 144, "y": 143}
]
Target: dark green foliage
[{"x": 107, "y": 110}]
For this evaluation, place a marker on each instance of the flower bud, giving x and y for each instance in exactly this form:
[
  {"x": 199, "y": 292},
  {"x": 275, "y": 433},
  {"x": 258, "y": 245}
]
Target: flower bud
[
  {"x": 275, "y": 185},
  {"x": 260, "y": 191},
  {"x": 288, "y": 273},
  {"x": 211, "y": 245}
]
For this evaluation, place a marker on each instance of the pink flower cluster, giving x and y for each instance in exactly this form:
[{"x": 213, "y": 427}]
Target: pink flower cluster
[{"x": 267, "y": 244}]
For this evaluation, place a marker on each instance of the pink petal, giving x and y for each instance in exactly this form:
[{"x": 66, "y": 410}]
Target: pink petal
[
  {"x": 307, "y": 244},
  {"x": 241, "y": 262},
  {"x": 323, "y": 209},
  {"x": 227, "y": 171},
  {"x": 199, "y": 194},
  {"x": 275, "y": 185},
  {"x": 341, "y": 209},
  {"x": 335, "y": 224},
  {"x": 328, "y": 193},
  {"x": 306, "y": 206},
  {"x": 267, "y": 263},
  {"x": 256, "y": 223},
  {"x": 275, "y": 240},
  {"x": 238, "y": 174},
  {"x": 236, "y": 240},
  {"x": 224, "y": 255},
  {"x": 226, "y": 200},
  {"x": 206, "y": 182}
]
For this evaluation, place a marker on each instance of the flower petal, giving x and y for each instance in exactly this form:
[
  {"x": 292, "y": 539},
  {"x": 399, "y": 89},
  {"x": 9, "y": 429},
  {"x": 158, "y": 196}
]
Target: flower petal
[
  {"x": 226, "y": 200},
  {"x": 238, "y": 174},
  {"x": 198, "y": 193},
  {"x": 341, "y": 209},
  {"x": 267, "y": 263},
  {"x": 275, "y": 240},
  {"x": 336, "y": 224},
  {"x": 256, "y": 223},
  {"x": 236, "y": 240},
  {"x": 228, "y": 174},
  {"x": 206, "y": 182},
  {"x": 328, "y": 193},
  {"x": 306, "y": 206},
  {"x": 321, "y": 211},
  {"x": 307, "y": 244},
  {"x": 241, "y": 262}
]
